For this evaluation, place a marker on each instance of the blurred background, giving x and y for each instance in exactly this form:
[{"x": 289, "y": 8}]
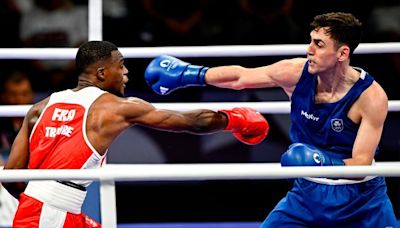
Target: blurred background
[{"x": 152, "y": 23}]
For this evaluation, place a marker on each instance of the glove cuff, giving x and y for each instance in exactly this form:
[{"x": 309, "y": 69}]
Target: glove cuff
[
  {"x": 233, "y": 123},
  {"x": 336, "y": 161},
  {"x": 194, "y": 75}
]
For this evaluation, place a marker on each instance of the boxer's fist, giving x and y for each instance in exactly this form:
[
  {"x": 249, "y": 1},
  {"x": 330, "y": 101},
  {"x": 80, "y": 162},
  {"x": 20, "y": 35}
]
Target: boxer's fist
[
  {"x": 247, "y": 125},
  {"x": 165, "y": 74},
  {"x": 299, "y": 154}
]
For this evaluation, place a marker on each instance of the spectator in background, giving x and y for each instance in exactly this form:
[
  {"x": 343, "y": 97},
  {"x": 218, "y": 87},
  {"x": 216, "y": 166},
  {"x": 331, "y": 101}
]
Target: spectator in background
[
  {"x": 54, "y": 23},
  {"x": 15, "y": 90}
]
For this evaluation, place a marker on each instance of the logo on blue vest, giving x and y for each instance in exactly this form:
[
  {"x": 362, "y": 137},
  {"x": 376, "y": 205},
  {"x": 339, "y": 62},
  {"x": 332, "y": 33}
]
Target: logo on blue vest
[
  {"x": 309, "y": 116},
  {"x": 337, "y": 125}
]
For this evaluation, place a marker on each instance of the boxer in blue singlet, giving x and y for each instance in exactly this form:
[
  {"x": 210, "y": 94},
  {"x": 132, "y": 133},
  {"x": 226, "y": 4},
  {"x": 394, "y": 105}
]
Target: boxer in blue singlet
[
  {"x": 323, "y": 202},
  {"x": 337, "y": 112}
]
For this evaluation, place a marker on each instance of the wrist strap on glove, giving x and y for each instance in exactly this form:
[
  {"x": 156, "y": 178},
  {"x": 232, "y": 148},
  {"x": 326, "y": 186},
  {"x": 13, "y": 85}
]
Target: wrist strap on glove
[{"x": 194, "y": 75}]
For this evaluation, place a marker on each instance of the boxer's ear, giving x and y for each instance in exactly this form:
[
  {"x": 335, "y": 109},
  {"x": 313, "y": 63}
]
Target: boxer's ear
[{"x": 100, "y": 74}]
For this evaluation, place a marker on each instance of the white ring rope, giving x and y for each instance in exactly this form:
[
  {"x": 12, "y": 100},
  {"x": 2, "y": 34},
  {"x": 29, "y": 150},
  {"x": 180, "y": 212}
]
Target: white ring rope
[
  {"x": 192, "y": 51},
  {"x": 185, "y": 172},
  {"x": 274, "y": 107}
]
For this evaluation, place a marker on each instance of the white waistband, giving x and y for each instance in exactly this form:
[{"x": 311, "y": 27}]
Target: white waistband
[
  {"x": 337, "y": 181},
  {"x": 340, "y": 181},
  {"x": 57, "y": 195}
]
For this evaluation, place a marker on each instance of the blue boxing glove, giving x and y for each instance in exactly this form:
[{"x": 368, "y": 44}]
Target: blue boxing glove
[
  {"x": 166, "y": 73},
  {"x": 299, "y": 154}
]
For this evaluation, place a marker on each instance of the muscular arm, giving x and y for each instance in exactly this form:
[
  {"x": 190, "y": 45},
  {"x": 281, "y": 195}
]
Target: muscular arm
[
  {"x": 197, "y": 121},
  {"x": 284, "y": 73},
  {"x": 19, "y": 154},
  {"x": 18, "y": 159},
  {"x": 110, "y": 115},
  {"x": 373, "y": 108}
]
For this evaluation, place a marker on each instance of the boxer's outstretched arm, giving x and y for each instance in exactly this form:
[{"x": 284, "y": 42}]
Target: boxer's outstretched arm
[
  {"x": 202, "y": 121},
  {"x": 246, "y": 124},
  {"x": 284, "y": 74},
  {"x": 166, "y": 74}
]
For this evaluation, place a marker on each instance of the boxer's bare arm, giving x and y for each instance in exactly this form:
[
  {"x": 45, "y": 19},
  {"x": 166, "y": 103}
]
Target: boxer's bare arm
[
  {"x": 110, "y": 115},
  {"x": 284, "y": 74},
  {"x": 19, "y": 154},
  {"x": 371, "y": 124}
]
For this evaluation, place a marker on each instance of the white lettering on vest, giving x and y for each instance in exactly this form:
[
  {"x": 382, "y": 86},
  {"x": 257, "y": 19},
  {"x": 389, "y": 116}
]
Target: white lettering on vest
[
  {"x": 65, "y": 130},
  {"x": 309, "y": 116},
  {"x": 63, "y": 114}
]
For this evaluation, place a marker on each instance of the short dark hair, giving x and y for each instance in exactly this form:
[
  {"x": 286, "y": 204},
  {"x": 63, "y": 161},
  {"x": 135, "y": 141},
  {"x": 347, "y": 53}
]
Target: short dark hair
[
  {"x": 344, "y": 28},
  {"x": 92, "y": 52}
]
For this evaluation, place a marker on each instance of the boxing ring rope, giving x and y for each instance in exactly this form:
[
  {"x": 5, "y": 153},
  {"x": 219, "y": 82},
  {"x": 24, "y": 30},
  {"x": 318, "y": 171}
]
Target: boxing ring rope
[
  {"x": 192, "y": 51},
  {"x": 191, "y": 172},
  {"x": 108, "y": 174},
  {"x": 272, "y": 107}
]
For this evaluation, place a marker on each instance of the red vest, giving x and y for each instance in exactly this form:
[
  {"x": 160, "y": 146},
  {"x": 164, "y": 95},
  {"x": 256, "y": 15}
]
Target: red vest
[{"x": 58, "y": 139}]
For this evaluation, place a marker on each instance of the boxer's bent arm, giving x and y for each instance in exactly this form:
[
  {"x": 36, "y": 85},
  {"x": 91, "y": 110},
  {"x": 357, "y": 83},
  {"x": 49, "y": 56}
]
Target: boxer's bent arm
[
  {"x": 373, "y": 108},
  {"x": 19, "y": 154}
]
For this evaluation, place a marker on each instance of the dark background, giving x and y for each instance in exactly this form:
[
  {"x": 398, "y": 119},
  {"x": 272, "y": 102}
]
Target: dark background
[{"x": 152, "y": 23}]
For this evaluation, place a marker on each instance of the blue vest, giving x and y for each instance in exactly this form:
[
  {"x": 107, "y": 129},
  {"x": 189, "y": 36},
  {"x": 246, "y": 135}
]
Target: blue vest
[{"x": 325, "y": 125}]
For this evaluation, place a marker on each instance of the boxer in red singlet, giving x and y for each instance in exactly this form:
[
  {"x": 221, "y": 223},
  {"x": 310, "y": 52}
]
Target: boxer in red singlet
[{"x": 72, "y": 129}]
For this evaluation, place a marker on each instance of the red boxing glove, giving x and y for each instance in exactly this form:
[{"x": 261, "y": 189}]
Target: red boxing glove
[{"x": 247, "y": 125}]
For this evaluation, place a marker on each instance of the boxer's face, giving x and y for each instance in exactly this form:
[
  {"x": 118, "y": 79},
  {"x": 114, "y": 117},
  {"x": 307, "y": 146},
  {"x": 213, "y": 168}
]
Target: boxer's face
[
  {"x": 116, "y": 74},
  {"x": 322, "y": 52}
]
